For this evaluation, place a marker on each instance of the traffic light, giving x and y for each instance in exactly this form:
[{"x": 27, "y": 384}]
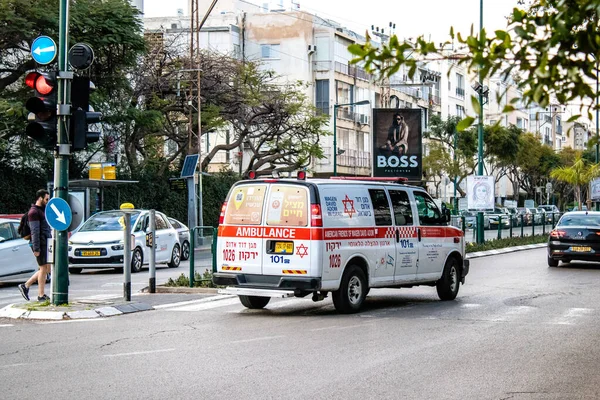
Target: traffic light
[
  {"x": 79, "y": 136},
  {"x": 42, "y": 109}
]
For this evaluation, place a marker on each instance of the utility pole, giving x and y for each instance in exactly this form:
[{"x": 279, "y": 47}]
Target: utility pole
[
  {"x": 60, "y": 287},
  {"x": 480, "y": 233}
]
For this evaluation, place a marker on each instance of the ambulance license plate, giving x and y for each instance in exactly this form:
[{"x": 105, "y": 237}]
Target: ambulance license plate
[
  {"x": 284, "y": 247},
  {"x": 581, "y": 249},
  {"x": 90, "y": 253}
]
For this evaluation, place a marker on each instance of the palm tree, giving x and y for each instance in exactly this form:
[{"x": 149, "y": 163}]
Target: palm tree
[{"x": 578, "y": 175}]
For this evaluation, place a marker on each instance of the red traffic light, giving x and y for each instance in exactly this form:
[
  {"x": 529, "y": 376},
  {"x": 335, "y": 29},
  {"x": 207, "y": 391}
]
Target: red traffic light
[{"x": 38, "y": 82}]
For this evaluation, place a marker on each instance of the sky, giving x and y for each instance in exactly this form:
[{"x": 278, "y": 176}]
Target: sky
[{"x": 432, "y": 18}]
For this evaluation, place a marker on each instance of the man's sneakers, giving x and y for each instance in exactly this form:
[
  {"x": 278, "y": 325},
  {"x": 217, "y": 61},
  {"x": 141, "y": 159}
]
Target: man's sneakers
[
  {"x": 24, "y": 291},
  {"x": 43, "y": 298}
]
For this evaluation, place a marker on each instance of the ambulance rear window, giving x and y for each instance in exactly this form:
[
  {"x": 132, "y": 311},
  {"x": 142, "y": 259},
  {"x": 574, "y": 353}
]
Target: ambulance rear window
[
  {"x": 245, "y": 205},
  {"x": 287, "y": 206}
]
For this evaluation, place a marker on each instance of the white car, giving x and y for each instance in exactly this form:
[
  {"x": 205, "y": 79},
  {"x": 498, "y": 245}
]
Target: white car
[
  {"x": 17, "y": 262},
  {"x": 99, "y": 242},
  {"x": 184, "y": 237}
]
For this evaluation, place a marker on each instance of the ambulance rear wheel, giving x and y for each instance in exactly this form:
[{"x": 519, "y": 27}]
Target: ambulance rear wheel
[
  {"x": 447, "y": 286},
  {"x": 352, "y": 292},
  {"x": 254, "y": 302}
]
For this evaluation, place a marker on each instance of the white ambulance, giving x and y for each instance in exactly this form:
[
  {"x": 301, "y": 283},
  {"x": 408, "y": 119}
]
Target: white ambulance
[{"x": 295, "y": 237}]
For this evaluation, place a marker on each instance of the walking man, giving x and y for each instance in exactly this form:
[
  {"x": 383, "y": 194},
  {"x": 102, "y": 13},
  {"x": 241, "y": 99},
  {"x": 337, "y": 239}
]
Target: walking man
[{"x": 40, "y": 235}]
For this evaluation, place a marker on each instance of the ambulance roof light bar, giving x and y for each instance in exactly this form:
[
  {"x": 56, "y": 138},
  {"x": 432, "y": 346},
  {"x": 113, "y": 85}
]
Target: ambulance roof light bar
[{"x": 393, "y": 179}]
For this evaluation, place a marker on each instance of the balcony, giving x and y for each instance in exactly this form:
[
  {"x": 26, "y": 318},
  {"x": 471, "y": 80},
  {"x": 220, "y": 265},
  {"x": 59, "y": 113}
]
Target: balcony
[
  {"x": 352, "y": 70},
  {"x": 354, "y": 158},
  {"x": 435, "y": 100},
  {"x": 460, "y": 92}
]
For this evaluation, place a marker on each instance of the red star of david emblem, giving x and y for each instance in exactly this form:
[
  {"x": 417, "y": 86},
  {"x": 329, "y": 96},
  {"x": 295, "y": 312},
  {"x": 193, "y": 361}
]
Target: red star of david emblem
[
  {"x": 302, "y": 251},
  {"x": 348, "y": 206}
]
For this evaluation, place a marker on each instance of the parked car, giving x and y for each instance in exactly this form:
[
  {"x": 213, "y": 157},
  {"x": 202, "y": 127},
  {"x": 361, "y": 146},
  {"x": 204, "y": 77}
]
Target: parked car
[
  {"x": 498, "y": 216},
  {"x": 183, "y": 233},
  {"x": 514, "y": 215},
  {"x": 471, "y": 220},
  {"x": 17, "y": 262},
  {"x": 576, "y": 236},
  {"x": 538, "y": 217},
  {"x": 527, "y": 215},
  {"x": 99, "y": 241}
]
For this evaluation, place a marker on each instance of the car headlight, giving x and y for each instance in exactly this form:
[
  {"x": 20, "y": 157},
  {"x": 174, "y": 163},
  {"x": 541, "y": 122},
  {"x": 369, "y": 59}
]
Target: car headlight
[{"x": 118, "y": 246}]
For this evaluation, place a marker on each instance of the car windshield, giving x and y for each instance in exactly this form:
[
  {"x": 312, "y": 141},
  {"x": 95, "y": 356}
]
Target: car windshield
[
  {"x": 108, "y": 221},
  {"x": 580, "y": 220}
]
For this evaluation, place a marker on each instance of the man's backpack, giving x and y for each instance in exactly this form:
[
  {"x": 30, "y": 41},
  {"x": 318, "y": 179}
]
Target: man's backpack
[{"x": 23, "y": 230}]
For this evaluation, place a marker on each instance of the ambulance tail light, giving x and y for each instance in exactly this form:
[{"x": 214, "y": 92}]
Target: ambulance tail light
[
  {"x": 316, "y": 218},
  {"x": 222, "y": 216},
  {"x": 301, "y": 175}
]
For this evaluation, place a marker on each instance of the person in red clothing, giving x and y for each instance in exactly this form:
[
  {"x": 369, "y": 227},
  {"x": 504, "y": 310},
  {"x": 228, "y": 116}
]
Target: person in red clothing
[{"x": 40, "y": 236}]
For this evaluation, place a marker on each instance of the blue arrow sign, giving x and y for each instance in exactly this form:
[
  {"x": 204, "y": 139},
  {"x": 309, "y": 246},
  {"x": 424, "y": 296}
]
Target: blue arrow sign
[
  {"x": 43, "y": 50},
  {"x": 58, "y": 214}
]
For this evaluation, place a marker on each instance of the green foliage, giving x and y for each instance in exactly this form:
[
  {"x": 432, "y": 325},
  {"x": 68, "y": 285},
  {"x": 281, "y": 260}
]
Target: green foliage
[
  {"x": 204, "y": 280},
  {"x": 578, "y": 175},
  {"x": 506, "y": 242},
  {"x": 551, "y": 46}
]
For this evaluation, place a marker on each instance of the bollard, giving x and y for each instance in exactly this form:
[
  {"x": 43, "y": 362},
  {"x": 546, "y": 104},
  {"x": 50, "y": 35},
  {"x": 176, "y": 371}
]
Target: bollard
[
  {"x": 510, "y": 226},
  {"x": 532, "y": 225},
  {"x": 521, "y": 225},
  {"x": 152, "y": 280},
  {"x": 544, "y": 224},
  {"x": 192, "y": 254},
  {"x": 499, "y": 226},
  {"x": 127, "y": 258}
]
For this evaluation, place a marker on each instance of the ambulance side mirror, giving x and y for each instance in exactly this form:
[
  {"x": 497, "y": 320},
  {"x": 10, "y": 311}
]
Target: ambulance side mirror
[{"x": 446, "y": 213}]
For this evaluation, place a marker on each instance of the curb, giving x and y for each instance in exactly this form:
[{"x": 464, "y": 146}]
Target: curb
[
  {"x": 182, "y": 289},
  {"x": 505, "y": 250},
  {"x": 15, "y": 311}
]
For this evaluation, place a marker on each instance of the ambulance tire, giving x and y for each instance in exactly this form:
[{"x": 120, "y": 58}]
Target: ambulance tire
[
  {"x": 352, "y": 292},
  {"x": 447, "y": 286},
  {"x": 254, "y": 302}
]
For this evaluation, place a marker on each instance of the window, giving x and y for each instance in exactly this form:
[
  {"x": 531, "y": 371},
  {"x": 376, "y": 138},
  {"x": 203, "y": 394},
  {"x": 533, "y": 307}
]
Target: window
[
  {"x": 287, "y": 206},
  {"x": 401, "y": 205},
  {"x": 160, "y": 222},
  {"x": 5, "y": 232},
  {"x": 520, "y": 123},
  {"x": 269, "y": 51},
  {"x": 322, "y": 96},
  {"x": 460, "y": 111},
  {"x": 429, "y": 213},
  {"x": 245, "y": 205},
  {"x": 175, "y": 224},
  {"x": 460, "y": 85},
  {"x": 381, "y": 207}
]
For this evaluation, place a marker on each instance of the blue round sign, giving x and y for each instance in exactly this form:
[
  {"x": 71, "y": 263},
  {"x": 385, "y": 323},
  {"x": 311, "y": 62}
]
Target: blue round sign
[
  {"x": 58, "y": 214},
  {"x": 43, "y": 50}
]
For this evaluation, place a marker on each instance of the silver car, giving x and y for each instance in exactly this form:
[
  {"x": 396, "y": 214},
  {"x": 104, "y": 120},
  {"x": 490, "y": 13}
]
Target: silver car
[
  {"x": 17, "y": 262},
  {"x": 184, "y": 237}
]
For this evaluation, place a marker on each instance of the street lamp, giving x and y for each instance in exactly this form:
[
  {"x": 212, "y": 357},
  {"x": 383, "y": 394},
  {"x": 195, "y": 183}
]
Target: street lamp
[
  {"x": 480, "y": 233},
  {"x": 335, "y": 149}
]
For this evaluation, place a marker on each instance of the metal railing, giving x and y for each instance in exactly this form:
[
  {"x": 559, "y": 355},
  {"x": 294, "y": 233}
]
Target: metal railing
[{"x": 518, "y": 226}]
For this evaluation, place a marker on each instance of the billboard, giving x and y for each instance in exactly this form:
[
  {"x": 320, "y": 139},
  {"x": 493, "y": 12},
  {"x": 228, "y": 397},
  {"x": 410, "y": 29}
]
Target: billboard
[
  {"x": 397, "y": 148},
  {"x": 480, "y": 192},
  {"x": 595, "y": 189}
]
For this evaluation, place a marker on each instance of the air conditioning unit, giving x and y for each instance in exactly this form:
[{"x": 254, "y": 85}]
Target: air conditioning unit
[
  {"x": 311, "y": 48},
  {"x": 364, "y": 119}
]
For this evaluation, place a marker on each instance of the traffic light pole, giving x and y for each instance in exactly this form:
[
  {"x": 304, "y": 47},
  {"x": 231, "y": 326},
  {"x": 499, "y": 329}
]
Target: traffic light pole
[{"x": 60, "y": 287}]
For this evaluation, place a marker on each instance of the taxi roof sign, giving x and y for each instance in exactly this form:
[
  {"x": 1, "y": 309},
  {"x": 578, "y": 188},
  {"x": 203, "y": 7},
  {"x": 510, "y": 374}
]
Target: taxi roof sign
[{"x": 127, "y": 206}]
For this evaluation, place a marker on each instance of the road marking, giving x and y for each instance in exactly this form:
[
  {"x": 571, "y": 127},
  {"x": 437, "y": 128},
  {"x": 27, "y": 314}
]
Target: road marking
[
  {"x": 258, "y": 339},
  {"x": 191, "y": 302},
  {"x": 571, "y": 315},
  {"x": 15, "y": 365},
  {"x": 5, "y": 325},
  {"x": 206, "y": 305},
  {"x": 470, "y": 305},
  {"x": 138, "y": 353}
]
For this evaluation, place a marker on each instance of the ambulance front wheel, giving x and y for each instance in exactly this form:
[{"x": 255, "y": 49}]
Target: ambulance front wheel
[
  {"x": 254, "y": 302},
  {"x": 352, "y": 292},
  {"x": 447, "y": 286}
]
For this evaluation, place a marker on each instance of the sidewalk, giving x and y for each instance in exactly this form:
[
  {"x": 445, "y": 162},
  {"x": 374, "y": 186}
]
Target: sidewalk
[{"x": 144, "y": 301}]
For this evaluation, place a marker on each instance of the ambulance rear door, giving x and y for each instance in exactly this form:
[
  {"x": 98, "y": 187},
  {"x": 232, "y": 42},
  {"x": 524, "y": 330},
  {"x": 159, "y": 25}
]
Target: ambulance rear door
[
  {"x": 240, "y": 244},
  {"x": 287, "y": 233}
]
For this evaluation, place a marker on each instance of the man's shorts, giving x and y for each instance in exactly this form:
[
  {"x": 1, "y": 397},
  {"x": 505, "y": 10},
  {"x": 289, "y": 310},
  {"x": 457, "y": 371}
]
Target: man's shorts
[{"x": 42, "y": 259}]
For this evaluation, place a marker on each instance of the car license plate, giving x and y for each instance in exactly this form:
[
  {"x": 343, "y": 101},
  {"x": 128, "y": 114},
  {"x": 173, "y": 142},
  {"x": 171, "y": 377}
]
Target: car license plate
[
  {"x": 284, "y": 247},
  {"x": 581, "y": 248},
  {"x": 90, "y": 253}
]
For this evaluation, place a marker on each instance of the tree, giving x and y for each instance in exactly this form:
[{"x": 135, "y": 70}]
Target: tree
[
  {"x": 578, "y": 175},
  {"x": 550, "y": 46}
]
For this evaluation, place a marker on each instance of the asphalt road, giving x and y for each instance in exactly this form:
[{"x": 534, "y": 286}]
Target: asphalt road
[{"x": 518, "y": 330}]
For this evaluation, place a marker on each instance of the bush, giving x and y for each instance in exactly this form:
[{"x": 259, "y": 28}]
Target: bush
[
  {"x": 506, "y": 242},
  {"x": 204, "y": 280}
]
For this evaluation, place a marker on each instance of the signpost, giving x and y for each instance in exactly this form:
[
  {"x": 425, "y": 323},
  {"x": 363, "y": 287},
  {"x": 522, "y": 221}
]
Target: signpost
[
  {"x": 43, "y": 50},
  {"x": 58, "y": 214}
]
